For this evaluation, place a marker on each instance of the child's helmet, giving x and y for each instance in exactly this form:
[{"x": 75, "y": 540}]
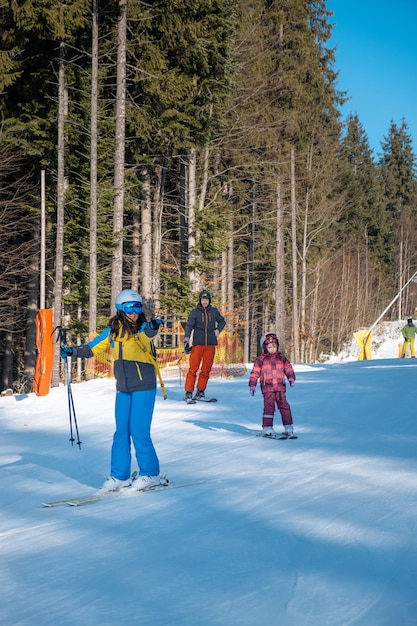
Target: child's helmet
[
  {"x": 127, "y": 295},
  {"x": 267, "y": 339}
]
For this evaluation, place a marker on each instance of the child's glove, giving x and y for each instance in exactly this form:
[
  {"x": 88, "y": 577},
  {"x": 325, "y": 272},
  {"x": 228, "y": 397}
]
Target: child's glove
[
  {"x": 65, "y": 351},
  {"x": 292, "y": 382},
  {"x": 187, "y": 349},
  {"x": 155, "y": 323},
  {"x": 252, "y": 390}
]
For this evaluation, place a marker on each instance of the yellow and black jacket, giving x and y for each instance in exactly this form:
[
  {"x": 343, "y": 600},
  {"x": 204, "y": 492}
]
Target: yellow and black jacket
[{"x": 133, "y": 356}]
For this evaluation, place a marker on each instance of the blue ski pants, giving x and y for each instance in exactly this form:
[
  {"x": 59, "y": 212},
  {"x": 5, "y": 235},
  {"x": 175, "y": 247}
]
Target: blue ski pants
[{"x": 133, "y": 423}]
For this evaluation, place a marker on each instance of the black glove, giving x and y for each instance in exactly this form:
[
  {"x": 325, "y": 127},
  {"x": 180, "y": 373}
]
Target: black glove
[
  {"x": 187, "y": 349},
  {"x": 65, "y": 351},
  {"x": 156, "y": 323}
]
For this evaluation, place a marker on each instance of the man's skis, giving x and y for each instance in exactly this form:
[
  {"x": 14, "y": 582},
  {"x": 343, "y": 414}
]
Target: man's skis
[
  {"x": 277, "y": 436},
  {"x": 195, "y": 400},
  {"x": 125, "y": 492}
]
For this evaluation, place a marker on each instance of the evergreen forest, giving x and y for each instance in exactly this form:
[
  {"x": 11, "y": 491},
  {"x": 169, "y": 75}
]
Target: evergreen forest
[{"x": 175, "y": 145}]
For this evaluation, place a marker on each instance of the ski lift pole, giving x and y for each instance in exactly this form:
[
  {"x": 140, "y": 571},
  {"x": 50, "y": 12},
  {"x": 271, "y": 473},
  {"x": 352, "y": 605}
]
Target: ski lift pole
[{"x": 388, "y": 308}]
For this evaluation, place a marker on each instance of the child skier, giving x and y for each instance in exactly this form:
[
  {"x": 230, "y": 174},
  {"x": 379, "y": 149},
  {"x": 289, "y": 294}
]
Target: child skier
[{"x": 271, "y": 367}]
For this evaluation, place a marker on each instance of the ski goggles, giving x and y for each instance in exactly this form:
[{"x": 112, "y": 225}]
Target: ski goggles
[{"x": 129, "y": 308}]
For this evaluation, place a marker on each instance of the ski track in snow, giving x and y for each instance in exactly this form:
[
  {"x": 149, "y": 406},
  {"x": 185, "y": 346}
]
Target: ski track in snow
[{"x": 318, "y": 531}]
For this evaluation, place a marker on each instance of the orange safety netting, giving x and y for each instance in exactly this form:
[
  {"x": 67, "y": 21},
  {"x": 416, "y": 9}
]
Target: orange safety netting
[
  {"x": 228, "y": 360},
  {"x": 100, "y": 365}
]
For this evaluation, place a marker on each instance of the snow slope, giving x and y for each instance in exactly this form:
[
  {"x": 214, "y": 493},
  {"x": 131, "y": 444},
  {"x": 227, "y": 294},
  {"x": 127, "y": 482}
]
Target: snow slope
[{"x": 319, "y": 531}]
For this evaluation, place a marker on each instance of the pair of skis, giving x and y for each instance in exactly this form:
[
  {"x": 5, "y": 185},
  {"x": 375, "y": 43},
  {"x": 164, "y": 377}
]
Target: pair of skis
[
  {"x": 122, "y": 493},
  {"x": 194, "y": 400},
  {"x": 278, "y": 436}
]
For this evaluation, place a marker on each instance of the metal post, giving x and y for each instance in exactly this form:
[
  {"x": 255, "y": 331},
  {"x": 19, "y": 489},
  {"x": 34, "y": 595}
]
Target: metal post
[{"x": 43, "y": 240}]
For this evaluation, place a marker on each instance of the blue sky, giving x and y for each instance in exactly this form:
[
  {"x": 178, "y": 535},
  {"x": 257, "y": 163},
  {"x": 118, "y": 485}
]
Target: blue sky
[{"x": 376, "y": 57}]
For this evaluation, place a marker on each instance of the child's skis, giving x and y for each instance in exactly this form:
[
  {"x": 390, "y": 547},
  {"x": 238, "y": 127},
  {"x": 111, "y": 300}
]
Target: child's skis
[{"x": 277, "y": 436}]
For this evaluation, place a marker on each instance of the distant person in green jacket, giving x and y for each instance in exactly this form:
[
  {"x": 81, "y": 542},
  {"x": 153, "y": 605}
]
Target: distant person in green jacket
[{"x": 409, "y": 332}]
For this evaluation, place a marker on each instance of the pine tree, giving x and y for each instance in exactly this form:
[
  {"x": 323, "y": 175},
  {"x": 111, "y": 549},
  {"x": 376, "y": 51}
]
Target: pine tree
[
  {"x": 179, "y": 56},
  {"x": 398, "y": 181}
]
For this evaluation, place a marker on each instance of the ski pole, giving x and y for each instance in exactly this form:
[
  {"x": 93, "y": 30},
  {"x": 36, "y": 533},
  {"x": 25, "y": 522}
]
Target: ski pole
[
  {"x": 62, "y": 338},
  {"x": 71, "y": 408}
]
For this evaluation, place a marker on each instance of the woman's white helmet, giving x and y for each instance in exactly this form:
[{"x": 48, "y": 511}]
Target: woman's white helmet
[{"x": 127, "y": 295}]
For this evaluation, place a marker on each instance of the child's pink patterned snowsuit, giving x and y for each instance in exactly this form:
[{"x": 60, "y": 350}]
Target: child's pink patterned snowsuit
[{"x": 271, "y": 370}]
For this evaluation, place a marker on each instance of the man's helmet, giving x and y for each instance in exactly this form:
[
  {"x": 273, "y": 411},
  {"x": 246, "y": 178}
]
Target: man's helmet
[
  {"x": 205, "y": 293},
  {"x": 127, "y": 295},
  {"x": 267, "y": 339}
]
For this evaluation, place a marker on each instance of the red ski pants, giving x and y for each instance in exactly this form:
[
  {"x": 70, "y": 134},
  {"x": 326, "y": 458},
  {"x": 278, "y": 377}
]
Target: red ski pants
[
  {"x": 203, "y": 355},
  {"x": 279, "y": 398}
]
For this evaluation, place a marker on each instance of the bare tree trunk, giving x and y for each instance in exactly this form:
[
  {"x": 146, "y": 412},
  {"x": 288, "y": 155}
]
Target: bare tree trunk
[
  {"x": 223, "y": 281},
  {"x": 183, "y": 216},
  {"x": 33, "y": 290},
  {"x": 191, "y": 204},
  {"x": 311, "y": 354},
  {"x": 295, "y": 321},
  {"x": 203, "y": 190},
  {"x": 92, "y": 299},
  {"x": 230, "y": 305},
  {"x": 146, "y": 235},
  {"x": 280, "y": 270},
  {"x": 340, "y": 308},
  {"x": 359, "y": 282},
  {"x": 304, "y": 260},
  {"x": 247, "y": 333},
  {"x": 157, "y": 246},
  {"x": 59, "y": 251},
  {"x": 78, "y": 362},
  {"x": 407, "y": 308},
  {"x": 401, "y": 280},
  {"x": 249, "y": 305},
  {"x": 119, "y": 158},
  {"x": 134, "y": 272},
  {"x": 157, "y": 228},
  {"x": 6, "y": 372},
  {"x": 347, "y": 286}
]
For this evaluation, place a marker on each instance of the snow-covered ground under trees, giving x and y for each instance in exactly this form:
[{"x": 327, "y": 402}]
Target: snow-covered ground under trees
[{"x": 318, "y": 531}]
